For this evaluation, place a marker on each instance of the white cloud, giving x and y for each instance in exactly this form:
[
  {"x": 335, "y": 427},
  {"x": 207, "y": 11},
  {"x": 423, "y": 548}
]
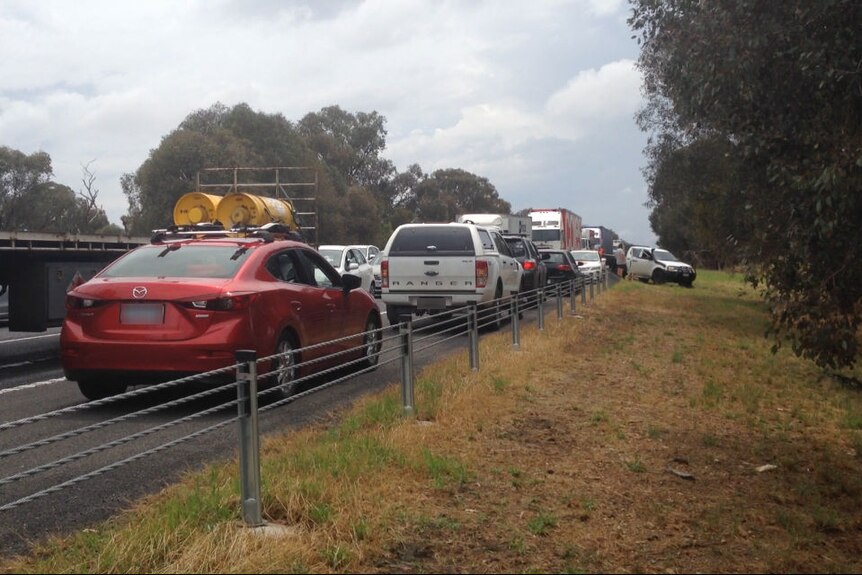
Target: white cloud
[
  {"x": 594, "y": 97},
  {"x": 538, "y": 97}
]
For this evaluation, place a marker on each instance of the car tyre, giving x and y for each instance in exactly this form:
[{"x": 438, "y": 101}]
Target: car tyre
[
  {"x": 284, "y": 366},
  {"x": 372, "y": 342},
  {"x": 497, "y": 309},
  {"x": 393, "y": 312},
  {"x": 659, "y": 277},
  {"x": 97, "y": 388}
]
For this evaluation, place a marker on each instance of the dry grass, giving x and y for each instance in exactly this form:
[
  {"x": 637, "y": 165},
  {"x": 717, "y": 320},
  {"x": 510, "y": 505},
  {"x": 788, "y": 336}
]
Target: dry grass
[{"x": 628, "y": 439}]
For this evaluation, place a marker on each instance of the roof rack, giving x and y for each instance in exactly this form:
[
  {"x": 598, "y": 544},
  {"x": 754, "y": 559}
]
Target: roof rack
[{"x": 267, "y": 232}]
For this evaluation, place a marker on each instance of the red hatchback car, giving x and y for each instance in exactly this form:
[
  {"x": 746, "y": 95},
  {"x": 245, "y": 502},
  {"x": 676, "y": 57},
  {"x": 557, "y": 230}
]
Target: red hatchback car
[{"x": 184, "y": 306}]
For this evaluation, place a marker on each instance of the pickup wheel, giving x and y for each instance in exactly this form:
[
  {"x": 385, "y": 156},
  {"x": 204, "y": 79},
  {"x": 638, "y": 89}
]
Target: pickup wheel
[
  {"x": 658, "y": 276},
  {"x": 496, "y": 307}
]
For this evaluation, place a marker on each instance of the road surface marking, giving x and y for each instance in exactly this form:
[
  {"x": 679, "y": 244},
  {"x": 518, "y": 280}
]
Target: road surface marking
[
  {"x": 31, "y": 385},
  {"x": 29, "y": 338}
]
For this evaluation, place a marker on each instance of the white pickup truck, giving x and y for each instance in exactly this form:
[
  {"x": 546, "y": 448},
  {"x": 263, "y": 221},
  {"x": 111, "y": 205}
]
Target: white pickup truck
[{"x": 432, "y": 268}]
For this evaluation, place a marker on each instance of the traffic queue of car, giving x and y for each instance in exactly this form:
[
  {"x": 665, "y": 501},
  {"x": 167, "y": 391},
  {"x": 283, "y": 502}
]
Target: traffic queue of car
[{"x": 186, "y": 302}]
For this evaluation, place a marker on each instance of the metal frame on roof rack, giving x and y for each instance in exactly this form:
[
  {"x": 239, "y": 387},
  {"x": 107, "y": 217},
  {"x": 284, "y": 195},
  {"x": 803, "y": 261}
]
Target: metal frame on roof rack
[{"x": 302, "y": 181}]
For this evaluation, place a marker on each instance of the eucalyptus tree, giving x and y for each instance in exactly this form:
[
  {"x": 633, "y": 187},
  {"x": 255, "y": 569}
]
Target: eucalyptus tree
[{"x": 781, "y": 82}]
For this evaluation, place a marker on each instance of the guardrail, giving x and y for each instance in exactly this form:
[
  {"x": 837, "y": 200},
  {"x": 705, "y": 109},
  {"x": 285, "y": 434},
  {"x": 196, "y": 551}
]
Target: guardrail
[{"x": 252, "y": 387}]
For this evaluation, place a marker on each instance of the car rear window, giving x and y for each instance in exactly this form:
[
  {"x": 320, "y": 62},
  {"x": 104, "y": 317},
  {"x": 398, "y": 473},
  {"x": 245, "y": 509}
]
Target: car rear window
[
  {"x": 518, "y": 247},
  {"x": 556, "y": 258},
  {"x": 179, "y": 260},
  {"x": 423, "y": 240}
]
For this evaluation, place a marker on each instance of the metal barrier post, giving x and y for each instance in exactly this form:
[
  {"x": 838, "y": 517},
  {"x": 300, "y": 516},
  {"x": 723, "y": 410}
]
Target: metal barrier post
[
  {"x": 405, "y": 331},
  {"x": 473, "y": 326},
  {"x": 584, "y": 291},
  {"x": 516, "y": 324},
  {"x": 607, "y": 281},
  {"x": 592, "y": 293},
  {"x": 572, "y": 295},
  {"x": 541, "y": 309},
  {"x": 249, "y": 439}
]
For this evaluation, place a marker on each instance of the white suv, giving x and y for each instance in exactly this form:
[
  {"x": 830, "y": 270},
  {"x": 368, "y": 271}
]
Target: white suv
[
  {"x": 658, "y": 265},
  {"x": 429, "y": 268}
]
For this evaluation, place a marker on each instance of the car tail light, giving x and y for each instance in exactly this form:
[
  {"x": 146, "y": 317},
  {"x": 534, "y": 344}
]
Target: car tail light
[
  {"x": 77, "y": 302},
  {"x": 529, "y": 265},
  {"x": 228, "y": 302},
  {"x": 564, "y": 267},
  {"x": 384, "y": 274},
  {"x": 481, "y": 273}
]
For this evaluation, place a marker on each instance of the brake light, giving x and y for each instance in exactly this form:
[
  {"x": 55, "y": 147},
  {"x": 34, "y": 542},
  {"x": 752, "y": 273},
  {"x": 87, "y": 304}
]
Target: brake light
[
  {"x": 384, "y": 274},
  {"x": 76, "y": 302},
  {"x": 564, "y": 267},
  {"x": 529, "y": 265},
  {"x": 229, "y": 302},
  {"x": 481, "y": 273}
]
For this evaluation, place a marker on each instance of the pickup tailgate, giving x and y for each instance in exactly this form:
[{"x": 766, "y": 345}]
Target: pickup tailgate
[
  {"x": 432, "y": 274},
  {"x": 430, "y": 266}
]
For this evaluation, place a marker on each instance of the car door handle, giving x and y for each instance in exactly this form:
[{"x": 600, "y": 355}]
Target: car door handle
[{"x": 296, "y": 304}]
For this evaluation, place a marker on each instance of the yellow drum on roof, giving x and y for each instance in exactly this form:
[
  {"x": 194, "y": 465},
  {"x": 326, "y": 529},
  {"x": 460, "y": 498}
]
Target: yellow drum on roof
[
  {"x": 242, "y": 209},
  {"x": 195, "y": 208}
]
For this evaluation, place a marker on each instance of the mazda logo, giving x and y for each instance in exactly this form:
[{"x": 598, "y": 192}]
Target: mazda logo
[{"x": 139, "y": 292}]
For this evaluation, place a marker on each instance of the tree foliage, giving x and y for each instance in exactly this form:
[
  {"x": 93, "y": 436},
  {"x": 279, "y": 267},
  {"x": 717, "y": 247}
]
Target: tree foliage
[
  {"x": 350, "y": 144},
  {"x": 697, "y": 203},
  {"x": 780, "y": 84},
  {"x": 445, "y": 194},
  {"x": 31, "y": 201},
  {"x": 361, "y": 197}
]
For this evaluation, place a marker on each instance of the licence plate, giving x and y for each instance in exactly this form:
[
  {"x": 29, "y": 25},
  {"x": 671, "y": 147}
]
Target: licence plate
[
  {"x": 142, "y": 313},
  {"x": 431, "y": 302}
]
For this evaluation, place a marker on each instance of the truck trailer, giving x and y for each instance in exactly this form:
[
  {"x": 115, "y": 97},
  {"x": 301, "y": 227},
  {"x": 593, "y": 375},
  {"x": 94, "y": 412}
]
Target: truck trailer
[
  {"x": 596, "y": 237},
  {"x": 556, "y": 228}
]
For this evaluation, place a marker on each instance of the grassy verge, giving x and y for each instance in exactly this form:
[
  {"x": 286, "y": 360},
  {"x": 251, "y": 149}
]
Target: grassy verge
[{"x": 654, "y": 432}]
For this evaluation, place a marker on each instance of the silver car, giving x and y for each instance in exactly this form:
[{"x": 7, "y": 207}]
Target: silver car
[{"x": 590, "y": 263}]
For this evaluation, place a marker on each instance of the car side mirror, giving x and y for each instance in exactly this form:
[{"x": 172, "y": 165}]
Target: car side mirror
[
  {"x": 352, "y": 266},
  {"x": 350, "y": 282}
]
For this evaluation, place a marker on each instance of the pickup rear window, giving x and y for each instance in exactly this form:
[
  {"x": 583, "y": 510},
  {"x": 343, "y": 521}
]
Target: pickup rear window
[{"x": 424, "y": 240}]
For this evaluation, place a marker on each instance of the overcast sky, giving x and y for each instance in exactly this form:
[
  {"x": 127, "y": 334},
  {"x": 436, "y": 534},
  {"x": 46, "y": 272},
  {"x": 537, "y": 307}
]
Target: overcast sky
[{"x": 537, "y": 96}]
